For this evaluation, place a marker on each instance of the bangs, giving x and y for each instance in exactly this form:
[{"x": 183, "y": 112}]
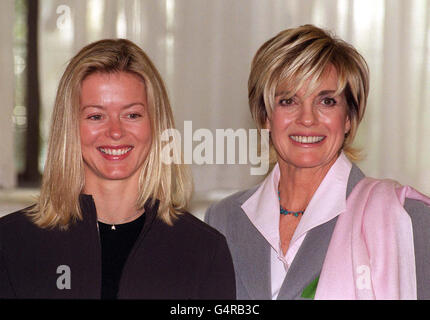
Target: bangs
[
  {"x": 315, "y": 75},
  {"x": 310, "y": 61}
]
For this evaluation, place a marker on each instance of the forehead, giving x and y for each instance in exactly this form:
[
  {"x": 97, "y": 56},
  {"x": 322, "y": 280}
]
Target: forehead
[
  {"x": 328, "y": 80},
  {"x": 99, "y": 87}
]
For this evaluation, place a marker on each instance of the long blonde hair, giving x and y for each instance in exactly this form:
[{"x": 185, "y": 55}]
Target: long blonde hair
[
  {"x": 63, "y": 176},
  {"x": 297, "y": 54}
]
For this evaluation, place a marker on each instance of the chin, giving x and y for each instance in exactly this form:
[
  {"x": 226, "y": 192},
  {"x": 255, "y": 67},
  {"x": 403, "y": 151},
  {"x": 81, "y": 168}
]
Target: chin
[
  {"x": 307, "y": 165},
  {"x": 119, "y": 175},
  {"x": 306, "y": 161},
  {"x": 111, "y": 174}
]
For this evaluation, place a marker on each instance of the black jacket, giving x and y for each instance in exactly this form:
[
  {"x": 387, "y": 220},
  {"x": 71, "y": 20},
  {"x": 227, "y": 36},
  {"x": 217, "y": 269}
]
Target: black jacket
[{"x": 189, "y": 260}]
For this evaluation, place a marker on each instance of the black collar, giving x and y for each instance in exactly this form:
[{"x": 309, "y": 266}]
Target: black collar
[{"x": 89, "y": 211}]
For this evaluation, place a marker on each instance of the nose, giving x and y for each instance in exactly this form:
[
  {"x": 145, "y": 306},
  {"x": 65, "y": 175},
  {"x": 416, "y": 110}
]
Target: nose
[
  {"x": 307, "y": 116},
  {"x": 115, "y": 129}
]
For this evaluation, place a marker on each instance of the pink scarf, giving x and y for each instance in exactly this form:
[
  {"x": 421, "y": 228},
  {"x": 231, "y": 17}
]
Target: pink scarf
[{"x": 371, "y": 253}]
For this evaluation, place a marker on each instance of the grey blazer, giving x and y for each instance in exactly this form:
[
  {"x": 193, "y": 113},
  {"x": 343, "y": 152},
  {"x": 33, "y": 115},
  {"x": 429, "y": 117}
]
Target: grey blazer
[{"x": 251, "y": 252}]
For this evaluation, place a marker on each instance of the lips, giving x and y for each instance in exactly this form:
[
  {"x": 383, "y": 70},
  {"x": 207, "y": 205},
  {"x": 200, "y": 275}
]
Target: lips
[
  {"x": 307, "y": 140},
  {"x": 115, "y": 152}
]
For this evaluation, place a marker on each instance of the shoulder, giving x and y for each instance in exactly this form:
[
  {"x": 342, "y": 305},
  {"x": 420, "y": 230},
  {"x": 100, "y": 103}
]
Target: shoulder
[
  {"x": 186, "y": 222},
  {"x": 188, "y": 231},
  {"x": 226, "y": 211},
  {"x": 231, "y": 203},
  {"x": 419, "y": 213},
  {"x": 18, "y": 233},
  {"x": 415, "y": 204},
  {"x": 16, "y": 222},
  {"x": 234, "y": 200}
]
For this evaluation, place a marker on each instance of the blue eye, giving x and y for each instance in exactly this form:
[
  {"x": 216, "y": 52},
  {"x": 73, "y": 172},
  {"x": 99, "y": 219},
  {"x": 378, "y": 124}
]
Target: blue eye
[{"x": 95, "y": 117}]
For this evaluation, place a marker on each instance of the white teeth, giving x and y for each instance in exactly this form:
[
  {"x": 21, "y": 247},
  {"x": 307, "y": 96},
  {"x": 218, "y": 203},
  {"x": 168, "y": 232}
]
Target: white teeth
[
  {"x": 115, "y": 152},
  {"x": 307, "y": 139}
]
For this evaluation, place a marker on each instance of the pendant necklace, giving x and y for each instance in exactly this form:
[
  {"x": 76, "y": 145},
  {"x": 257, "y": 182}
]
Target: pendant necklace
[{"x": 122, "y": 221}]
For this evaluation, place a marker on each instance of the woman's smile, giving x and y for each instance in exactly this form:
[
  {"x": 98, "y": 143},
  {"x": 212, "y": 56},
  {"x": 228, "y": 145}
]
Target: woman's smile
[
  {"x": 115, "y": 152},
  {"x": 307, "y": 140}
]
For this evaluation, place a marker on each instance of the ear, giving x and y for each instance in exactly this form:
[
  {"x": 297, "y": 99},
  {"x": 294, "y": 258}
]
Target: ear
[
  {"x": 267, "y": 124},
  {"x": 347, "y": 124}
]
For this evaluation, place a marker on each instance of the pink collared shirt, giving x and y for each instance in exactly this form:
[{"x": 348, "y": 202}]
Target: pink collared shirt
[{"x": 262, "y": 208}]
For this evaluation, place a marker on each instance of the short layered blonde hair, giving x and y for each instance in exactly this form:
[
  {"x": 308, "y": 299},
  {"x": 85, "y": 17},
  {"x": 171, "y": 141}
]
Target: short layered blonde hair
[
  {"x": 298, "y": 54},
  {"x": 63, "y": 176}
]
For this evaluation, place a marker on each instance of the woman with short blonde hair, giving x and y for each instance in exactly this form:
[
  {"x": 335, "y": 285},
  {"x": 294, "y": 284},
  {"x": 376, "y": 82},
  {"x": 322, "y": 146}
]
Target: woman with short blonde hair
[{"x": 316, "y": 227}]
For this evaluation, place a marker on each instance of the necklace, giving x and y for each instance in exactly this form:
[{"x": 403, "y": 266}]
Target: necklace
[
  {"x": 286, "y": 212},
  {"x": 112, "y": 226}
]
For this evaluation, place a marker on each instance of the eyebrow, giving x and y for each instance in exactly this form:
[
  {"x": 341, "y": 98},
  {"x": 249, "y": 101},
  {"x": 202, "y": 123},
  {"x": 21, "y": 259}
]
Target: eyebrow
[
  {"x": 321, "y": 93},
  {"x": 325, "y": 92},
  {"x": 281, "y": 93},
  {"x": 123, "y": 107}
]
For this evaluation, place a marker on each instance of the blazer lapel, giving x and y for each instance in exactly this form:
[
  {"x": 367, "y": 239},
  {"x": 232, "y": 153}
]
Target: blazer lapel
[
  {"x": 252, "y": 255},
  {"x": 309, "y": 260}
]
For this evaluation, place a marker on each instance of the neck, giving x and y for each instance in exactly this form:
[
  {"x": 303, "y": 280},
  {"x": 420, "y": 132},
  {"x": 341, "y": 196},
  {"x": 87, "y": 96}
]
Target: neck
[
  {"x": 115, "y": 200},
  {"x": 298, "y": 185}
]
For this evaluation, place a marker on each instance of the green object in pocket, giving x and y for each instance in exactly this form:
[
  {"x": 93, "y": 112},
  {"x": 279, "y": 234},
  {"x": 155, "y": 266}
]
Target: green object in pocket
[{"x": 311, "y": 288}]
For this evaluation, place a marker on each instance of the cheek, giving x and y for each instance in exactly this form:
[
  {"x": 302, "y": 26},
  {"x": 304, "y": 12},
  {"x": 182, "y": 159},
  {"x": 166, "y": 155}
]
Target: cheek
[
  {"x": 280, "y": 121},
  {"x": 88, "y": 134},
  {"x": 338, "y": 124},
  {"x": 143, "y": 133},
  {"x": 278, "y": 126}
]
